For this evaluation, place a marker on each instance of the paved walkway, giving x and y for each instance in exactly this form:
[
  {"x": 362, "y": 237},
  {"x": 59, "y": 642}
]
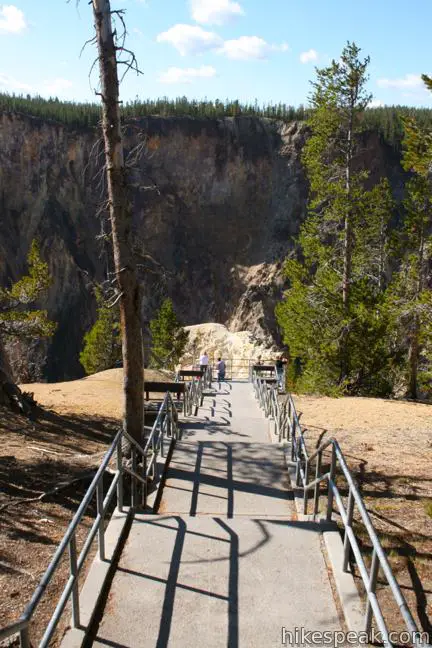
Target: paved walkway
[{"x": 225, "y": 563}]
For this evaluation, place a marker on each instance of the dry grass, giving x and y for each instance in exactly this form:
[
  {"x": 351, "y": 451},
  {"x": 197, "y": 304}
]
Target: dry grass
[
  {"x": 96, "y": 395},
  {"x": 388, "y": 447}
]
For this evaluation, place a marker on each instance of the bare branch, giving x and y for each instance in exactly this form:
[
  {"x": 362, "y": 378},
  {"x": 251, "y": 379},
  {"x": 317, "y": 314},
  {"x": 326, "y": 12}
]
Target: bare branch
[{"x": 116, "y": 300}]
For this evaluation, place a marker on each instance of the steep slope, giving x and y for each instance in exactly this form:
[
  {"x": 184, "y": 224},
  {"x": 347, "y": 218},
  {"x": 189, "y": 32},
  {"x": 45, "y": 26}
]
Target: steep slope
[{"x": 216, "y": 204}]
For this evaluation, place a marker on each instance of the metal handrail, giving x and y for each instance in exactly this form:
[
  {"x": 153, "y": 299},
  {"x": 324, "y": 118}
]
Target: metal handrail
[
  {"x": 194, "y": 392},
  {"x": 289, "y": 429},
  {"x": 142, "y": 468}
]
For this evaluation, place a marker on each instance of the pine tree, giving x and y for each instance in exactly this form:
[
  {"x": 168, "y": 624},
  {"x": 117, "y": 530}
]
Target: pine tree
[
  {"x": 331, "y": 316},
  {"x": 410, "y": 297},
  {"x": 16, "y": 318},
  {"x": 19, "y": 322},
  {"x": 102, "y": 344},
  {"x": 168, "y": 336},
  {"x": 373, "y": 247}
]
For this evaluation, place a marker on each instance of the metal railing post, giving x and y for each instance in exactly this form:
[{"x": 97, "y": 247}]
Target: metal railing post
[
  {"x": 297, "y": 477},
  {"x": 134, "y": 499},
  {"x": 293, "y": 439},
  {"x": 153, "y": 447},
  {"x": 317, "y": 484},
  {"x": 306, "y": 492},
  {"x": 347, "y": 545},
  {"x": 144, "y": 475},
  {"x": 25, "y": 638},
  {"x": 100, "y": 512},
  {"x": 73, "y": 566},
  {"x": 371, "y": 589},
  {"x": 330, "y": 487},
  {"x": 164, "y": 422},
  {"x": 120, "y": 472}
]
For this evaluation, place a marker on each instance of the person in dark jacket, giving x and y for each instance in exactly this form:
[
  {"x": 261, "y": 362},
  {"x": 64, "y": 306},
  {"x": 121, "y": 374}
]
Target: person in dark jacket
[
  {"x": 221, "y": 367},
  {"x": 280, "y": 365}
]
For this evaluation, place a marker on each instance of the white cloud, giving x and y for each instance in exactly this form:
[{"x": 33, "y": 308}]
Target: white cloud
[
  {"x": 249, "y": 47},
  {"x": 12, "y": 20},
  {"x": 283, "y": 47},
  {"x": 376, "y": 103},
  {"x": 48, "y": 87},
  {"x": 310, "y": 55},
  {"x": 137, "y": 31},
  {"x": 57, "y": 86},
  {"x": 190, "y": 39},
  {"x": 214, "y": 12},
  {"x": 9, "y": 83},
  {"x": 408, "y": 81},
  {"x": 187, "y": 75}
]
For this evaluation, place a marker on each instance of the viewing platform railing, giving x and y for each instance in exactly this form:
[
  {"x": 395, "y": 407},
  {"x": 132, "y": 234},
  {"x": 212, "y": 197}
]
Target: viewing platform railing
[
  {"x": 196, "y": 381},
  {"x": 311, "y": 473}
]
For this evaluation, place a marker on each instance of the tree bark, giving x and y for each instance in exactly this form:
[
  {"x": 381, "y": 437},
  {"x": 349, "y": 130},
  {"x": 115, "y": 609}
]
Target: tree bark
[
  {"x": 347, "y": 267},
  {"x": 381, "y": 254},
  {"x": 121, "y": 223},
  {"x": 414, "y": 346},
  {"x": 347, "y": 250},
  {"x": 413, "y": 358},
  {"x": 5, "y": 374}
]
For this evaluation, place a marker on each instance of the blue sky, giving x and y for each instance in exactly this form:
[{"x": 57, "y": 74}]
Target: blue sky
[{"x": 238, "y": 49}]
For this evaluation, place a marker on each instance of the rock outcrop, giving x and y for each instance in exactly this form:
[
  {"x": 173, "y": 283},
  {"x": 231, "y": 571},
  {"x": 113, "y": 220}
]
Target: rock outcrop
[
  {"x": 236, "y": 348},
  {"x": 216, "y": 204}
]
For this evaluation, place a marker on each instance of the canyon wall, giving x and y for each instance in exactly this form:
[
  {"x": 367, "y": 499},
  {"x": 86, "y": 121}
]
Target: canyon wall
[{"x": 216, "y": 204}]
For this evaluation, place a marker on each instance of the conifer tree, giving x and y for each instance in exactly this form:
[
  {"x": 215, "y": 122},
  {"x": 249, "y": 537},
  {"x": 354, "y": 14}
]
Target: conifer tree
[
  {"x": 102, "y": 344},
  {"x": 19, "y": 321},
  {"x": 17, "y": 318},
  {"x": 331, "y": 315},
  {"x": 339, "y": 98},
  {"x": 410, "y": 296},
  {"x": 168, "y": 336}
]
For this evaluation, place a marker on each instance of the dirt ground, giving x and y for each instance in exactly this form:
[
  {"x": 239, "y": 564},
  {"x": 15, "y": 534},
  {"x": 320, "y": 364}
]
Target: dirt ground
[
  {"x": 65, "y": 442},
  {"x": 96, "y": 395},
  {"x": 388, "y": 447}
]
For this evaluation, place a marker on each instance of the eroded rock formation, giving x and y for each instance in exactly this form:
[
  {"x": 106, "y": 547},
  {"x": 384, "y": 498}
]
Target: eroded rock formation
[{"x": 216, "y": 204}]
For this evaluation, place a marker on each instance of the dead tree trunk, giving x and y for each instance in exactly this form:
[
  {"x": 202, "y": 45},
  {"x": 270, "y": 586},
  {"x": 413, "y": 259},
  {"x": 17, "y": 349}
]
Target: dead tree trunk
[
  {"x": 413, "y": 358},
  {"x": 5, "y": 375},
  {"x": 121, "y": 223}
]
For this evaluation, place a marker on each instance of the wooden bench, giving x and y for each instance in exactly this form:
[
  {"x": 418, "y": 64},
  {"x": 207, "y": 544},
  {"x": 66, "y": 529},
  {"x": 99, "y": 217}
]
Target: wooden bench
[
  {"x": 260, "y": 368},
  {"x": 190, "y": 373},
  {"x": 154, "y": 387}
]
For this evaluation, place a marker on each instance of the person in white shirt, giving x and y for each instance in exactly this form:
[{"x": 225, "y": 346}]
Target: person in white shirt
[{"x": 204, "y": 360}]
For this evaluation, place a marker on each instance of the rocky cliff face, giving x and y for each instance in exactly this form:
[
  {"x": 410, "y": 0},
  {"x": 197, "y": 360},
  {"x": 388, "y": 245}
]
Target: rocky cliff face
[{"x": 216, "y": 204}]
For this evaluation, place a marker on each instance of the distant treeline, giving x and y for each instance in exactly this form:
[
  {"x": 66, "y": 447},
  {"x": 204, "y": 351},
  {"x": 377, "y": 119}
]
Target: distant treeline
[{"x": 385, "y": 120}]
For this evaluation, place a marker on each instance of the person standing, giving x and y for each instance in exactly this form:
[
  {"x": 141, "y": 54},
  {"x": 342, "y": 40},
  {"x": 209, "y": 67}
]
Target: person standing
[
  {"x": 280, "y": 364},
  {"x": 203, "y": 361},
  {"x": 221, "y": 368}
]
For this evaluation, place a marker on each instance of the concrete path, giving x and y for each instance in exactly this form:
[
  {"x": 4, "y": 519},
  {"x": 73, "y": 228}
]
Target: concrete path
[{"x": 225, "y": 563}]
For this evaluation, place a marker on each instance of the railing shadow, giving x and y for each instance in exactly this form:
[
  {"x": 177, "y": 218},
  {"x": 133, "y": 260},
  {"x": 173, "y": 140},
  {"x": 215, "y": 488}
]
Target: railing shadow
[{"x": 240, "y": 470}]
